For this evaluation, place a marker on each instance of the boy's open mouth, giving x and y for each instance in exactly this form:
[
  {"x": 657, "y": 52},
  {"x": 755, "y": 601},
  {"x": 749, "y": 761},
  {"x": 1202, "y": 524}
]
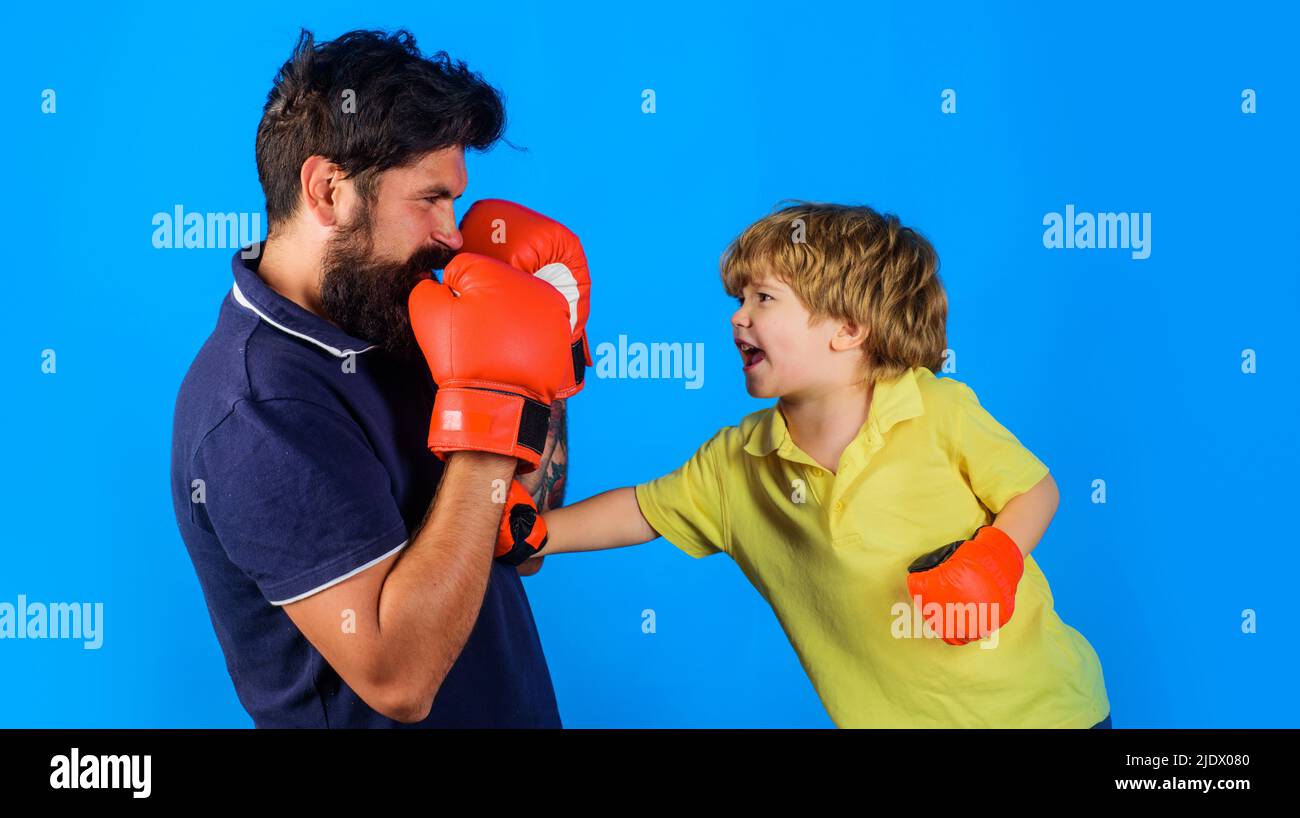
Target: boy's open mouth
[{"x": 752, "y": 355}]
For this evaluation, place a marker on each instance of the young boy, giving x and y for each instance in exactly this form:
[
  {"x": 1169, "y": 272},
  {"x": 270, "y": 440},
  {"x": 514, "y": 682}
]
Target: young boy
[{"x": 837, "y": 502}]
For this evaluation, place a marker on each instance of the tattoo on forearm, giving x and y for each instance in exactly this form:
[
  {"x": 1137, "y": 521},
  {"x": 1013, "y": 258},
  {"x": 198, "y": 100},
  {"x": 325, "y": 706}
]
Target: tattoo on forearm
[
  {"x": 547, "y": 485},
  {"x": 553, "y": 482},
  {"x": 558, "y": 430}
]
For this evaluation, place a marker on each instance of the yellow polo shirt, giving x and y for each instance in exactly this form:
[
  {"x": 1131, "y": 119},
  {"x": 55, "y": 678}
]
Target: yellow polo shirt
[{"x": 830, "y": 552}]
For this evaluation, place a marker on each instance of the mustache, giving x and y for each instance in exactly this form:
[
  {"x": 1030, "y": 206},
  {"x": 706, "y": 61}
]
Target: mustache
[{"x": 428, "y": 259}]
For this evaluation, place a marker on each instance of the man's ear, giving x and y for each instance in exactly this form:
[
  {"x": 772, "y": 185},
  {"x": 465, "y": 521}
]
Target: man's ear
[
  {"x": 848, "y": 336},
  {"x": 319, "y": 181}
]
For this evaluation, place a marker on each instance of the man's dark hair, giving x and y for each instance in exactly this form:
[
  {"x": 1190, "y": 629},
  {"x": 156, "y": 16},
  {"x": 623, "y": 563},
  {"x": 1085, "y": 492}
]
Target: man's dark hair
[{"x": 402, "y": 105}]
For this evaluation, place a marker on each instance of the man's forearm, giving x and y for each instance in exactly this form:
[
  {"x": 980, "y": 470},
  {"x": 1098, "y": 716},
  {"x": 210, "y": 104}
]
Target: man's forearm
[
  {"x": 1026, "y": 516},
  {"x": 546, "y": 483},
  {"x": 430, "y": 600}
]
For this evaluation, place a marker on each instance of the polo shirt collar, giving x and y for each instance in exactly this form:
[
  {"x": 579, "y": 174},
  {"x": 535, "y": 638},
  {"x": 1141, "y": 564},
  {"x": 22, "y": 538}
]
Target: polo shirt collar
[
  {"x": 251, "y": 293},
  {"x": 893, "y": 401}
]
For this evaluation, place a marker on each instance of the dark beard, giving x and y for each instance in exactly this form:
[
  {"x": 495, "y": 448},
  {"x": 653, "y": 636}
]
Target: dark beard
[{"x": 367, "y": 297}]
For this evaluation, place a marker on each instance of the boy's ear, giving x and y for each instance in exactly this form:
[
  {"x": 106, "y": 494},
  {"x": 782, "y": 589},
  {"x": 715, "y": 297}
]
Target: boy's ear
[{"x": 848, "y": 336}]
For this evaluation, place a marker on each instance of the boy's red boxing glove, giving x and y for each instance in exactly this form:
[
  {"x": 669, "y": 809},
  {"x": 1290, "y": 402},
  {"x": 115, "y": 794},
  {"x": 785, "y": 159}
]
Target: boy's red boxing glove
[
  {"x": 523, "y": 531},
  {"x": 529, "y": 241},
  {"x": 982, "y": 570},
  {"x": 496, "y": 342}
]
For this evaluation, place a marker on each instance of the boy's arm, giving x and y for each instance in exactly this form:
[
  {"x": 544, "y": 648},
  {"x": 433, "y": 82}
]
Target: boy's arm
[
  {"x": 609, "y": 520},
  {"x": 1025, "y": 517}
]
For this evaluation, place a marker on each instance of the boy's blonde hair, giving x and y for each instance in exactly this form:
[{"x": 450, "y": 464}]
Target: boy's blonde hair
[{"x": 850, "y": 263}]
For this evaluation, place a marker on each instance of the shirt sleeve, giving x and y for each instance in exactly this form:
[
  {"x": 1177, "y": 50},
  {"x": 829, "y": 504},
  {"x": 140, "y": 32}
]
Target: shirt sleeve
[
  {"x": 296, "y": 496},
  {"x": 995, "y": 464},
  {"x": 686, "y": 506}
]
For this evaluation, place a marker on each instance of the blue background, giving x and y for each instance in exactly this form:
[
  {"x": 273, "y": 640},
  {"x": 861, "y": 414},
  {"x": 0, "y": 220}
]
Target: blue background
[{"x": 1106, "y": 367}]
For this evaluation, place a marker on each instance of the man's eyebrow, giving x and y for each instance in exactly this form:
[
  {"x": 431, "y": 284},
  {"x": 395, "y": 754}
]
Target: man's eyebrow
[{"x": 438, "y": 190}]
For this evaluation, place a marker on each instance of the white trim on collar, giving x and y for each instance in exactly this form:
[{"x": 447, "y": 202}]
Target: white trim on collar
[{"x": 335, "y": 351}]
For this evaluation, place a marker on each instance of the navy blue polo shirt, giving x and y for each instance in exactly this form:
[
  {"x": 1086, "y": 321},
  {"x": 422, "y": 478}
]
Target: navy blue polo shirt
[{"x": 311, "y": 449}]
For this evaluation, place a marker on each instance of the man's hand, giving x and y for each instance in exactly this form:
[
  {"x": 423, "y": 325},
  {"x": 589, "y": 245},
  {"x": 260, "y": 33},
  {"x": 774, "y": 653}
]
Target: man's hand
[
  {"x": 542, "y": 247},
  {"x": 496, "y": 342}
]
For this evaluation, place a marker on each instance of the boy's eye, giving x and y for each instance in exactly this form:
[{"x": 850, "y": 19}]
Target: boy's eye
[{"x": 764, "y": 295}]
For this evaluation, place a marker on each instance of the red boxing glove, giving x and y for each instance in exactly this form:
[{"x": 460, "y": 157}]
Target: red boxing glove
[
  {"x": 523, "y": 531},
  {"x": 496, "y": 343},
  {"x": 963, "y": 577},
  {"x": 529, "y": 241}
]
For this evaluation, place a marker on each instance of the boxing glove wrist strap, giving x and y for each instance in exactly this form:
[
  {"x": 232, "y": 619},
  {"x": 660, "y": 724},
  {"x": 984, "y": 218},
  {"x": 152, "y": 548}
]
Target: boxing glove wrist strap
[
  {"x": 579, "y": 362},
  {"x": 489, "y": 420}
]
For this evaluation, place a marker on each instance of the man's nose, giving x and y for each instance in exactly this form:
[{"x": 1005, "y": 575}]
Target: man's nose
[{"x": 449, "y": 235}]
